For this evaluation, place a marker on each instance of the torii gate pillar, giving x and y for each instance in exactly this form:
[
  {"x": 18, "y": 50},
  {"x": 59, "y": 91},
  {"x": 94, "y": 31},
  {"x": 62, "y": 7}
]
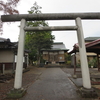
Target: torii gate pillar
[
  {"x": 19, "y": 66},
  {"x": 18, "y": 91},
  {"x": 83, "y": 58},
  {"x": 86, "y": 90}
]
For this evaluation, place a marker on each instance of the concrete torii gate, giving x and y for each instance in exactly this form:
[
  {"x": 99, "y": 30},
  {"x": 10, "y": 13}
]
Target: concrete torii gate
[{"x": 51, "y": 16}]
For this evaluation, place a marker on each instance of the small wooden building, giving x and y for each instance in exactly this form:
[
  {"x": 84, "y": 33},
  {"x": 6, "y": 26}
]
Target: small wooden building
[
  {"x": 92, "y": 49},
  {"x": 55, "y": 55},
  {"x": 8, "y": 56}
]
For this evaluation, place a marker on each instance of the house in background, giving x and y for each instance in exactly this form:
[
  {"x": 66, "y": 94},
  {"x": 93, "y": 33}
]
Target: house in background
[
  {"x": 8, "y": 56},
  {"x": 55, "y": 55},
  {"x": 93, "y": 52}
]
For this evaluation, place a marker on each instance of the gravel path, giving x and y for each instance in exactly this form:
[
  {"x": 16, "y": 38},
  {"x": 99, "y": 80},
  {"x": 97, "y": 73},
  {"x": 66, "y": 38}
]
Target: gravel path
[{"x": 28, "y": 78}]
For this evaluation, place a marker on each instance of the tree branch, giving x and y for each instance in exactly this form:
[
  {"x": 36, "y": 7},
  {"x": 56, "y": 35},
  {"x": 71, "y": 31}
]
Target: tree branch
[{"x": 8, "y": 8}]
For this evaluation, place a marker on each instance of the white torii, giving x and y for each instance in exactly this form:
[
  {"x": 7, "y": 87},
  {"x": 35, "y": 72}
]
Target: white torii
[{"x": 62, "y": 16}]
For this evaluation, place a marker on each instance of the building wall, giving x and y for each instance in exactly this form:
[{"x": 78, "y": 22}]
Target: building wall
[
  {"x": 45, "y": 57},
  {"x": 6, "y": 56},
  {"x": 77, "y": 59},
  {"x": 90, "y": 56},
  {"x": 61, "y": 58},
  {"x": 54, "y": 56}
]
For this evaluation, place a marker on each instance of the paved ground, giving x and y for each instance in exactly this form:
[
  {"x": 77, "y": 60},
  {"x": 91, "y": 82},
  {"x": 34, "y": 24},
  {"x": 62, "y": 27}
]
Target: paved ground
[
  {"x": 46, "y": 84},
  {"x": 94, "y": 76},
  {"x": 53, "y": 84}
]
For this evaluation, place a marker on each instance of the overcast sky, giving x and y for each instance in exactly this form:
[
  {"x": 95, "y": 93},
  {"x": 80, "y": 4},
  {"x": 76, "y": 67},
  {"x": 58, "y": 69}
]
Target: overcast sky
[{"x": 69, "y": 38}]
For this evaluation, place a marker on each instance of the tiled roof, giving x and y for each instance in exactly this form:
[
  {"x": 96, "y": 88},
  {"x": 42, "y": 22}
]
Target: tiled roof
[
  {"x": 2, "y": 39},
  {"x": 89, "y": 46},
  {"x": 6, "y": 43},
  {"x": 91, "y": 38},
  {"x": 93, "y": 43},
  {"x": 58, "y": 45}
]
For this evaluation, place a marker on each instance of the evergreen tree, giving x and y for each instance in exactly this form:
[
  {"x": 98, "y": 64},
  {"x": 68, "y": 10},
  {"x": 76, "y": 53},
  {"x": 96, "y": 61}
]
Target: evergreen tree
[{"x": 37, "y": 40}]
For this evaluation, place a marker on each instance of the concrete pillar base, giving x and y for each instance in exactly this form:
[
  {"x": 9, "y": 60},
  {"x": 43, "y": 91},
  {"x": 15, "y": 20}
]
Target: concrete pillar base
[
  {"x": 88, "y": 93},
  {"x": 16, "y": 93}
]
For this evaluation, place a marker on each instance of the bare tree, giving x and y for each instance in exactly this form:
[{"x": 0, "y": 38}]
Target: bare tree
[{"x": 7, "y": 7}]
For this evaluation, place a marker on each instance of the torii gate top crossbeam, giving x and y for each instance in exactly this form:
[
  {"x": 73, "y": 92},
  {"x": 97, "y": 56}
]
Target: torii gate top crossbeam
[{"x": 50, "y": 16}]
